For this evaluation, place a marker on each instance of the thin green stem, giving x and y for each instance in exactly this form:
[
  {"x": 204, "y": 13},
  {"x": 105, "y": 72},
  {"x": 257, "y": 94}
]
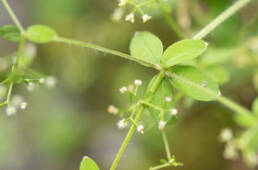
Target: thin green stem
[
  {"x": 133, "y": 127},
  {"x": 8, "y": 100},
  {"x": 170, "y": 20},
  {"x": 165, "y": 140},
  {"x": 13, "y": 16},
  {"x": 160, "y": 166},
  {"x": 127, "y": 139},
  {"x": 221, "y": 18},
  {"x": 230, "y": 104},
  {"x": 105, "y": 50}
]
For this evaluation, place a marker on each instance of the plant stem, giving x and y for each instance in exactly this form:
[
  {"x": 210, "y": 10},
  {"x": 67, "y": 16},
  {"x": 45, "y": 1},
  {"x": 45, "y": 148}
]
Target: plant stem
[
  {"x": 165, "y": 140},
  {"x": 13, "y": 16},
  {"x": 127, "y": 139},
  {"x": 133, "y": 127},
  {"x": 170, "y": 20},
  {"x": 221, "y": 18},
  {"x": 230, "y": 104},
  {"x": 105, "y": 50},
  {"x": 160, "y": 166}
]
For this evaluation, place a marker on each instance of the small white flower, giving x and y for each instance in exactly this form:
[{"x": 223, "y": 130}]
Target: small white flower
[
  {"x": 140, "y": 129},
  {"x": 162, "y": 125},
  {"x": 219, "y": 93},
  {"x": 50, "y": 81},
  {"x": 226, "y": 135},
  {"x": 168, "y": 99},
  {"x": 121, "y": 124},
  {"x": 117, "y": 14},
  {"x": 146, "y": 18},
  {"x": 42, "y": 80},
  {"x": 173, "y": 111},
  {"x": 16, "y": 100},
  {"x": 112, "y": 109},
  {"x": 131, "y": 87},
  {"x": 137, "y": 82},
  {"x": 123, "y": 89},
  {"x": 122, "y": 2},
  {"x": 10, "y": 110},
  {"x": 31, "y": 86},
  {"x": 206, "y": 44},
  {"x": 130, "y": 17},
  {"x": 230, "y": 152},
  {"x": 23, "y": 105}
]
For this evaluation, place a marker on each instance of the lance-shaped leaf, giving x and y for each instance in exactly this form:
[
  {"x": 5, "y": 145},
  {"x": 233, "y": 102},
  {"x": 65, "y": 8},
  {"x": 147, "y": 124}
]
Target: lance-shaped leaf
[
  {"x": 146, "y": 47},
  {"x": 182, "y": 51},
  {"x": 161, "y": 98},
  {"x": 41, "y": 34},
  {"x": 88, "y": 164},
  {"x": 10, "y": 33},
  {"x": 194, "y": 83}
]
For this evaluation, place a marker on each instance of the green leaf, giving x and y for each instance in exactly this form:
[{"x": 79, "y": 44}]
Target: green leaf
[
  {"x": 217, "y": 55},
  {"x": 158, "y": 98},
  {"x": 249, "y": 139},
  {"x": 183, "y": 51},
  {"x": 41, "y": 34},
  {"x": 194, "y": 83},
  {"x": 219, "y": 74},
  {"x": 146, "y": 47},
  {"x": 255, "y": 106},
  {"x": 88, "y": 164},
  {"x": 10, "y": 33}
]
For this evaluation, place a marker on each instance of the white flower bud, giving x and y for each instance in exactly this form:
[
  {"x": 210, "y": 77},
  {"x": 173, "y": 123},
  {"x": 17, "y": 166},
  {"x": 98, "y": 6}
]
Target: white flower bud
[
  {"x": 122, "y": 2},
  {"x": 146, "y": 18},
  {"x": 10, "y": 110},
  {"x": 204, "y": 84},
  {"x": 173, "y": 111},
  {"x": 42, "y": 80},
  {"x": 226, "y": 135},
  {"x": 112, "y": 109},
  {"x": 121, "y": 124},
  {"x": 23, "y": 105},
  {"x": 31, "y": 86},
  {"x": 137, "y": 82},
  {"x": 140, "y": 129},
  {"x": 117, "y": 14},
  {"x": 168, "y": 99},
  {"x": 230, "y": 152},
  {"x": 130, "y": 17},
  {"x": 123, "y": 89},
  {"x": 50, "y": 81},
  {"x": 162, "y": 125}
]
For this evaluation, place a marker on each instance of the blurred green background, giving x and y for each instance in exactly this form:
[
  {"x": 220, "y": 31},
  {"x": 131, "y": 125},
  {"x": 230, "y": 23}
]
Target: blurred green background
[{"x": 63, "y": 124}]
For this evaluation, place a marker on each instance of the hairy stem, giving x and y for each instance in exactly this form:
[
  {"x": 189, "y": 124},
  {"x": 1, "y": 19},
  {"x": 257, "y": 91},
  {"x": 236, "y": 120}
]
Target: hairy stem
[
  {"x": 13, "y": 16},
  {"x": 102, "y": 49},
  {"x": 132, "y": 128},
  {"x": 221, "y": 18},
  {"x": 165, "y": 140}
]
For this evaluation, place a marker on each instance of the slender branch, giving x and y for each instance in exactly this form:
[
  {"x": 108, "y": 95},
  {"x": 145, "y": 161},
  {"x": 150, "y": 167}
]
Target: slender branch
[
  {"x": 105, "y": 50},
  {"x": 160, "y": 166},
  {"x": 127, "y": 139},
  {"x": 165, "y": 140},
  {"x": 132, "y": 128},
  {"x": 170, "y": 20},
  {"x": 13, "y": 16},
  {"x": 221, "y": 18}
]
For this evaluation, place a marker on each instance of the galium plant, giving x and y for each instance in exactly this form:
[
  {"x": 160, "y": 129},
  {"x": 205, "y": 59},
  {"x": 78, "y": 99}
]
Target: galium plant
[{"x": 177, "y": 75}]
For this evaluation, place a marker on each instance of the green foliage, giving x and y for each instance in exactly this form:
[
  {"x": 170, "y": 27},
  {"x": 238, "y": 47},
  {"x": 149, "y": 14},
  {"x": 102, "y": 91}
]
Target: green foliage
[
  {"x": 147, "y": 47},
  {"x": 255, "y": 106},
  {"x": 88, "y": 164},
  {"x": 183, "y": 51},
  {"x": 10, "y": 33},
  {"x": 41, "y": 34},
  {"x": 194, "y": 83},
  {"x": 158, "y": 99}
]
